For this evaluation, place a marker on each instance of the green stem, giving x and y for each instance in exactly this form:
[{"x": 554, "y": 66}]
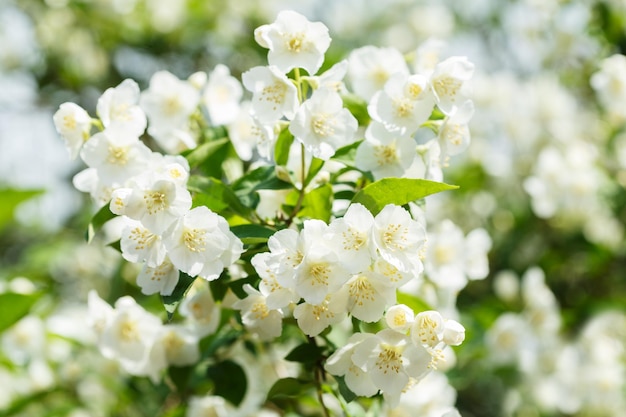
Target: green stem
[{"x": 319, "y": 379}]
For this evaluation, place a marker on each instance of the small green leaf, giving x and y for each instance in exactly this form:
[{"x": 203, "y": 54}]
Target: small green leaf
[
  {"x": 217, "y": 196},
  {"x": 346, "y": 154},
  {"x": 317, "y": 204},
  {"x": 229, "y": 380},
  {"x": 283, "y": 145},
  {"x": 170, "y": 302},
  {"x": 98, "y": 220},
  {"x": 398, "y": 191},
  {"x": 10, "y": 200},
  {"x": 316, "y": 166},
  {"x": 199, "y": 155},
  {"x": 358, "y": 108},
  {"x": 306, "y": 353},
  {"x": 15, "y": 306},
  {"x": 252, "y": 233},
  {"x": 415, "y": 303},
  {"x": 288, "y": 387},
  {"x": 262, "y": 178},
  {"x": 345, "y": 392}
]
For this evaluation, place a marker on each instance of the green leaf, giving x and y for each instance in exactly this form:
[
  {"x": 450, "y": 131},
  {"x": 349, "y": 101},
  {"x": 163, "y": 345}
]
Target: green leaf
[
  {"x": 170, "y": 302},
  {"x": 229, "y": 381},
  {"x": 262, "y": 178},
  {"x": 217, "y": 196},
  {"x": 305, "y": 353},
  {"x": 202, "y": 153},
  {"x": 346, "y": 154},
  {"x": 317, "y": 204},
  {"x": 398, "y": 191},
  {"x": 98, "y": 220},
  {"x": 415, "y": 303},
  {"x": 288, "y": 387},
  {"x": 282, "y": 147},
  {"x": 252, "y": 233},
  {"x": 15, "y": 306},
  {"x": 345, "y": 392},
  {"x": 10, "y": 200},
  {"x": 358, "y": 108},
  {"x": 316, "y": 166}
]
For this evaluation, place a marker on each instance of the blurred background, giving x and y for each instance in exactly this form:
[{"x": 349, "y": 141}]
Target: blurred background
[{"x": 544, "y": 175}]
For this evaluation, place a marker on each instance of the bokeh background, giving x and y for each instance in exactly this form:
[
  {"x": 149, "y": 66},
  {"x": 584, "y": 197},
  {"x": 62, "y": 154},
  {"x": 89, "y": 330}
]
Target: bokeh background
[{"x": 544, "y": 175}]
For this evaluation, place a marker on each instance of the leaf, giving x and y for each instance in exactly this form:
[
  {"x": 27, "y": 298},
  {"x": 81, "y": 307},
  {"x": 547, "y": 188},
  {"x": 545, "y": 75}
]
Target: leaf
[
  {"x": 98, "y": 220},
  {"x": 305, "y": 353},
  {"x": 415, "y": 303},
  {"x": 262, "y": 178},
  {"x": 288, "y": 387},
  {"x": 217, "y": 196},
  {"x": 346, "y": 154},
  {"x": 317, "y": 204},
  {"x": 282, "y": 147},
  {"x": 345, "y": 392},
  {"x": 203, "y": 152},
  {"x": 316, "y": 166},
  {"x": 170, "y": 302},
  {"x": 398, "y": 191},
  {"x": 358, "y": 108},
  {"x": 229, "y": 381},
  {"x": 252, "y": 233},
  {"x": 14, "y": 306},
  {"x": 10, "y": 200}
]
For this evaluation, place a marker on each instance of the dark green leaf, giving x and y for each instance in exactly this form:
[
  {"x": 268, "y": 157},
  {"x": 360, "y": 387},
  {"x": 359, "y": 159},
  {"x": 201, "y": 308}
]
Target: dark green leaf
[
  {"x": 229, "y": 380},
  {"x": 13, "y": 307},
  {"x": 398, "y": 191},
  {"x": 283, "y": 145},
  {"x": 98, "y": 220},
  {"x": 10, "y": 200},
  {"x": 180, "y": 376},
  {"x": 252, "y": 233},
  {"x": 306, "y": 353},
  {"x": 288, "y": 387},
  {"x": 219, "y": 287},
  {"x": 202, "y": 153},
  {"x": 345, "y": 392},
  {"x": 216, "y": 195},
  {"x": 170, "y": 302},
  {"x": 262, "y": 178}
]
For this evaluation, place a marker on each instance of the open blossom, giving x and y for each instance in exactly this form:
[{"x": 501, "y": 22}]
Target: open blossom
[
  {"x": 257, "y": 316},
  {"x": 369, "y": 294},
  {"x": 116, "y": 155},
  {"x": 340, "y": 363},
  {"x": 276, "y": 295},
  {"x": 454, "y": 134},
  {"x": 273, "y": 94},
  {"x": 200, "y": 309},
  {"x": 313, "y": 318},
  {"x": 139, "y": 244},
  {"x": 222, "y": 95},
  {"x": 370, "y": 67},
  {"x": 161, "y": 278},
  {"x": 118, "y": 106},
  {"x": 180, "y": 345},
  {"x": 294, "y": 42},
  {"x": 73, "y": 123},
  {"x": 609, "y": 84},
  {"x": 385, "y": 153},
  {"x": 323, "y": 125},
  {"x": 351, "y": 238},
  {"x": 200, "y": 243},
  {"x": 403, "y": 104},
  {"x": 447, "y": 81}
]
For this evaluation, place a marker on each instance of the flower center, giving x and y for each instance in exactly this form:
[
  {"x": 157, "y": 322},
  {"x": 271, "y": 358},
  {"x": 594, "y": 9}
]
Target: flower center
[
  {"x": 118, "y": 155},
  {"x": 194, "y": 240}
]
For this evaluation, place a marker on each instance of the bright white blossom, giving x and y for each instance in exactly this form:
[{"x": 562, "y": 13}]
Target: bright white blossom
[
  {"x": 454, "y": 134},
  {"x": 314, "y": 318},
  {"x": 73, "y": 123},
  {"x": 447, "y": 81},
  {"x": 201, "y": 310},
  {"x": 180, "y": 345},
  {"x": 273, "y": 94},
  {"x": 351, "y": 238},
  {"x": 340, "y": 363},
  {"x": 119, "y": 107},
  {"x": 369, "y": 68},
  {"x": 139, "y": 244},
  {"x": 323, "y": 125},
  {"x": 222, "y": 95},
  {"x": 610, "y": 86},
  {"x": 385, "y": 153},
  {"x": 399, "y": 317},
  {"x": 294, "y": 42},
  {"x": 161, "y": 278},
  {"x": 257, "y": 316}
]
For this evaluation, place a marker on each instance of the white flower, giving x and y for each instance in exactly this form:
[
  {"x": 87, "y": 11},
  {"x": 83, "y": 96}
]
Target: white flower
[
  {"x": 427, "y": 329},
  {"x": 201, "y": 311},
  {"x": 427, "y": 56},
  {"x": 453, "y": 333},
  {"x": 294, "y": 42},
  {"x": 350, "y": 238},
  {"x": 209, "y": 406},
  {"x": 257, "y": 316},
  {"x": 155, "y": 202},
  {"x": 314, "y": 318},
  {"x": 116, "y": 155},
  {"x": 139, "y": 244},
  {"x": 340, "y": 364},
  {"x": 222, "y": 95},
  {"x": 369, "y": 295},
  {"x": 200, "y": 243},
  {"x": 273, "y": 94},
  {"x": 323, "y": 125},
  {"x": 118, "y": 107},
  {"x": 277, "y": 295},
  {"x": 73, "y": 123},
  {"x": 287, "y": 251},
  {"x": 399, "y": 317},
  {"x": 610, "y": 85},
  {"x": 180, "y": 345},
  {"x": 161, "y": 278},
  {"x": 391, "y": 361},
  {"x": 385, "y": 153},
  {"x": 454, "y": 134},
  {"x": 404, "y": 103},
  {"x": 399, "y": 238},
  {"x": 447, "y": 80},
  {"x": 370, "y": 67},
  {"x": 332, "y": 78}
]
